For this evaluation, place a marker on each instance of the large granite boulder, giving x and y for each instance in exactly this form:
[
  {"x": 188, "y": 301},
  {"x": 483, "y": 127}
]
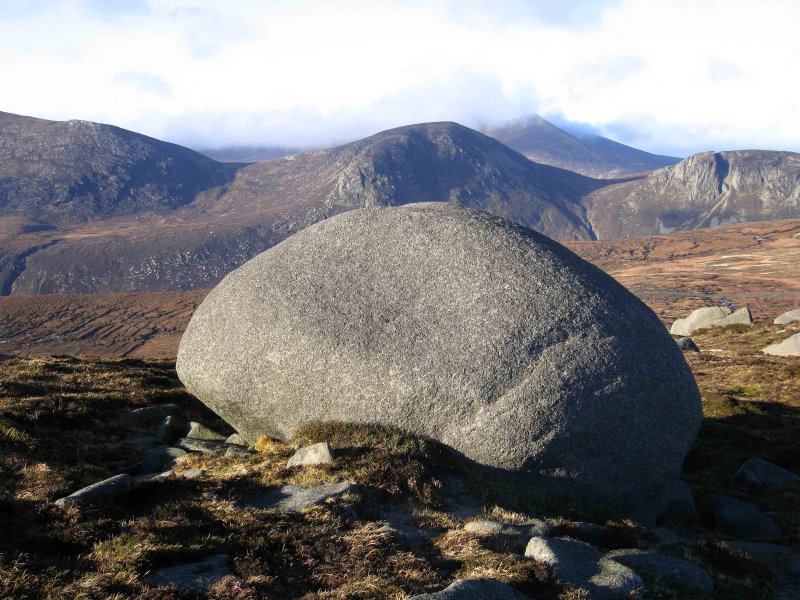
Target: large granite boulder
[{"x": 454, "y": 324}]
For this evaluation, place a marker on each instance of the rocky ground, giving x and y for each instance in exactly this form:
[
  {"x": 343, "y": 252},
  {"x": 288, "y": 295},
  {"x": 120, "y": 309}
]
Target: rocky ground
[{"x": 192, "y": 513}]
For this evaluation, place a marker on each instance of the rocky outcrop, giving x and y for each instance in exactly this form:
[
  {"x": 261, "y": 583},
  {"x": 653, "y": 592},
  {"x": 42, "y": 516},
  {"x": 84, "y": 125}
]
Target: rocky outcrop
[
  {"x": 705, "y": 190},
  {"x": 460, "y": 326}
]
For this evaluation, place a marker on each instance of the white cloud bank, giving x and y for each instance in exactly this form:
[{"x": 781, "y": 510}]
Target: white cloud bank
[{"x": 674, "y": 76}]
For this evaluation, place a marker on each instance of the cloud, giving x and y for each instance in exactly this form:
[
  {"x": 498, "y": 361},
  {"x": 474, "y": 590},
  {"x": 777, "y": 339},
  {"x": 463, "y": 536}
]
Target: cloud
[{"x": 673, "y": 76}]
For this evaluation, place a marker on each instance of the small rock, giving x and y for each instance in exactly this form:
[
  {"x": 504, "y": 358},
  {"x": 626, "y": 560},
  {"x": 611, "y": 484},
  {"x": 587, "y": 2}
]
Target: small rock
[
  {"x": 316, "y": 454},
  {"x": 788, "y": 317},
  {"x": 154, "y": 460},
  {"x": 687, "y": 343},
  {"x": 236, "y": 452},
  {"x": 191, "y": 474},
  {"x": 788, "y": 347},
  {"x": 516, "y": 536},
  {"x": 741, "y": 519},
  {"x": 667, "y": 569},
  {"x": 679, "y": 505},
  {"x": 580, "y": 565},
  {"x": 294, "y": 498},
  {"x": 202, "y": 446},
  {"x": 139, "y": 479},
  {"x": 148, "y": 416},
  {"x": 195, "y": 577},
  {"x": 198, "y": 431},
  {"x": 758, "y": 473},
  {"x": 113, "y": 486},
  {"x": 237, "y": 439},
  {"x": 474, "y": 589},
  {"x": 170, "y": 429}
]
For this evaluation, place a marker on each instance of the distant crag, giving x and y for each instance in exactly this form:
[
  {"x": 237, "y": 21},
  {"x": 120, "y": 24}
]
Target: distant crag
[{"x": 705, "y": 190}]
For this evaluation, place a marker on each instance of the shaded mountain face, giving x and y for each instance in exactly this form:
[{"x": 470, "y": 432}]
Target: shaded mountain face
[
  {"x": 73, "y": 171},
  {"x": 193, "y": 243},
  {"x": 594, "y": 156},
  {"x": 705, "y": 190}
]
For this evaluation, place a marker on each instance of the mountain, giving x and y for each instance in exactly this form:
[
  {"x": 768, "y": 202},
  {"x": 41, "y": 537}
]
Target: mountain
[
  {"x": 590, "y": 155},
  {"x": 75, "y": 171},
  {"x": 190, "y": 240},
  {"x": 707, "y": 189},
  {"x": 247, "y": 154}
]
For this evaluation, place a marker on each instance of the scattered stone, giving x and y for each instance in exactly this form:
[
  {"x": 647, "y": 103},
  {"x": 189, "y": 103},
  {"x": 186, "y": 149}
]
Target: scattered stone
[
  {"x": 148, "y": 416},
  {"x": 474, "y": 589},
  {"x": 202, "y": 446},
  {"x": 788, "y": 317},
  {"x": 711, "y": 316},
  {"x": 170, "y": 429},
  {"x": 758, "y": 473},
  {"x": 191, "y": 474},
  {"x": 195, "y": 577},
  {"x": 113, "y": 486},
  {"x": 701, "y": 318},
  {"x": 401, "y": 523},
  {"x": 772, "y": 554},
  {"x": 667, "y": 569},
  {"x": 460, "y": 326},
  {"x": 142, "y": 441},
  {"x": 741, "y": 519},
  {"x": 516, "y": 536},
  {"x": 237, "y": 439},
  {"x": 139, "y": 479},
  {"x": 316, "y": 454},
  {"x": 788, "y": 347},
  {"x": 236, "y": 452},
  {"x": 294, "y": 498},
  {"x": 687, "y": 343},
  {"x": 580, "y": 565},
  {"x": 679, "y": 505},
  {"x": 155, "y": 459},
  {"x": 738, "y": 317},
  {"x": 198, "y": 431}
]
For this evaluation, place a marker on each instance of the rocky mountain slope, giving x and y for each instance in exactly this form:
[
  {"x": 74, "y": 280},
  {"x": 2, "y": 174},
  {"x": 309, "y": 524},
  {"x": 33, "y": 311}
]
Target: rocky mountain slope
[
  {"x": 193, "y": 245},
  {"x": 591, "y": 155},
  {"x": 73, "y": 171},
  {"x": 92, "y": 208},
  {"x": 707, "y": 189}
]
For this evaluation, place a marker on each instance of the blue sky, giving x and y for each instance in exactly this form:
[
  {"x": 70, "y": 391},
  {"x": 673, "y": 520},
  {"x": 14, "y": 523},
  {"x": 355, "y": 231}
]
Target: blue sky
[{"x": 669, "y": 76}]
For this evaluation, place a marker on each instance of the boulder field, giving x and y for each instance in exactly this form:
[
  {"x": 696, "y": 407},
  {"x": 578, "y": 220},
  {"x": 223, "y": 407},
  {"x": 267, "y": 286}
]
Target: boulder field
[{"x": 457, "y": 325}]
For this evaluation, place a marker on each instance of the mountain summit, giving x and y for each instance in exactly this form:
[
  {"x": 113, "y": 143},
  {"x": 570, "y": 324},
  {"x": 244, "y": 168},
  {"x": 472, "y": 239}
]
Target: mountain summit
[{"x": 591, "y": 155}]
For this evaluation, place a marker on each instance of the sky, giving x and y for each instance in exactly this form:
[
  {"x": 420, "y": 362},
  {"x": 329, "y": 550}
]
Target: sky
[{"x": 669, "y": 76}]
